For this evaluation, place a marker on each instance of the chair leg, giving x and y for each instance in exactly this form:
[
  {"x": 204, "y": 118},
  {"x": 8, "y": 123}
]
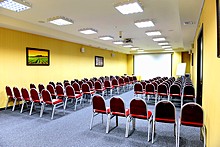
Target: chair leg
[
  {"x": 13, "y": 109},
  {"x": 181, "y": 101},
  {"x": 176, "y": 133},
  {"x": 153, "y": 131},
  {"x": 204, "y": 136},
  {"x": 65, "y": 103},
  {"x": 108, "y": 123},
  {"x": 91, "y": 122},
  {"x": 7, "y": 104},
  {"x": 32, "y": 105},
  {"x": 127, "y": 126},
  {"x": 22, "y": 106},
  {"x": 42, "y": 109},
  {"x": 148, "y": 133},
  {"x": 116, "y": 119},
  {"x": 53, "y": 110},
  {"x": 178, "y": 138}
]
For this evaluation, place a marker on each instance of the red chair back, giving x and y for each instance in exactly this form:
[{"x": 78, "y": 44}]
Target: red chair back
[
  {"x": 9, "y": 92},
  {"x": 162, "y": 89},
  {"x": 188, "y": 91},
  {"x": 98, "y": 103},
  {"x": 66, "y": 84},
  {"x": 138, "y": 87},
  {"x": 25, "y": 94},
  {"x": 59, "y": 90},
  {"x": 175, "y": 90},
  {"x": 46, "y": 96},
  {"x": 117, "y": 106},
  {"x": 115, "y": 82},
  {"x": 150, "y": 88},
  {"x": 121, "y": 81},
  {"x": 51, "y": 89},
  {"x": 107, "y": 84},
  {"x": 90, "y": 84},
  {"x": 40, "y": 87},
  {"x": 76, "y": 87},
  {"x": 85, "y": 87},
  {"x": 32, "y": 85},
  {"x": 70, "y": 91},
  {"x": 138, "y": 108},
  {"x": 98, "y": 85},
  {"x": 34, "y": 95},
  {"x": 17, "y": 93}
]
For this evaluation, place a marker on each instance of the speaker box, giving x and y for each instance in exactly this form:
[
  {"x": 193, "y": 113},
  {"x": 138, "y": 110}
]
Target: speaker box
[{"x": 82, "y": 50}]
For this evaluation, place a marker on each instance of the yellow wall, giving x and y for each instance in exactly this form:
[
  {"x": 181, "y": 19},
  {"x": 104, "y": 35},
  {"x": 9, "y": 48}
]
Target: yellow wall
[
  {"x": 186, "y": 59},
  {"x": 66, "y": 61},
  {"x": 211, "y": 72},
  {"x": 130, "y": 64}
]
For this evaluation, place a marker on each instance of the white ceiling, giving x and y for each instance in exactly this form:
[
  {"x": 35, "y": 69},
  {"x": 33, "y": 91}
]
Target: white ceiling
[{"x": 168, "y": 16}]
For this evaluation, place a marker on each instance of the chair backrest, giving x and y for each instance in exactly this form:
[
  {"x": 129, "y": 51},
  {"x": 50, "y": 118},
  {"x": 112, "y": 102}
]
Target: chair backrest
[
  {"x": 165, "y": 111},
  {"x": 46, "y": 95},
  {"x": 126, "y": 80},
  {"x": 85, "y": 87},
  {"x": 52, "y": 83},
  {"x": 59, "y": 90},
  {"x": 134, "y": 78},
  {"x": 17, "y": 93},
  {"x": 90, "y": 84},
  {"x": 188, "y": 91},
  {"x": 138, "y": 107},
  {"x": 9, "y": 92},
  {"x": 32, "y": 86},
  {"x": 121, "y": 81},
  {"x": 98, "y": 103},
  {"x": 59, "y": 83},
  {"x": 117, "y": 105},
  {"x": 66, "y": 84},
  {"x": 40, "y": 87},
  {"x": 162, "y": 88},
  {"x": 25, "y": 94},
  {"x": 34, "y": 94},
  {"x": 70, "y": 91},
  {"x": 191, "y": 114},
  {"x": 98, "y": 85},
  {"x": 76, "y": 86},
  {"x": 143, "y": 83},
  {"x": 150, "y": 88},
  {"x": 80, "y": 83},
  {"x": 155, "y": 85},
  {"x": 130, "y": 79},
  {"x": 175, "y": 89},
  {"x": 51, "y": 89},
  {"x": 138, "y": 87},
  {"x": 115, "y": 82},
  {"x": 107, "y": 84}
]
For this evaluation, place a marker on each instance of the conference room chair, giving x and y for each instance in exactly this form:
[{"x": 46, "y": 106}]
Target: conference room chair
[
  {"x": 17, "y": 97},
  {"x": 77, "y": 88},
  {"x": 191, "y": 114},
  {"x": 99, "y": 88},
  {"x": 80, "y": 83},
  {"x": 70, "y": 95},
  {"x": 25, "y": 98},
  {"x": 91, "y": 85},
  {"x": 127, "y": 82},
  {"x": 108, "y": 86},
  {"x": 188, "y": 93},
  {"x": 138, "y": 89},
  {"x": 35, "y": 99},
  {"x": 66, "y": 84},
  {"x": 164, "y": 112},
  {"x": 40, "y": 87},
  {"x": 47, "y": 100},
  {"x": 61, "y": 94},
  {"x": 122, "y": 83},
  {"x": 98, "y": 107},
  {"x": 87, "y": 91},
  {"x": 134, "y": 79},
  {"x": 52, "y": 91},
  {"x": 117, "y": 109},
  {"x": 52, "y": 83},
  {"x": 162, "y": 91},
  {"x": 116, "y": 85},
  {"x": 138, "y": 110},
  {"x": 150, "y": 92},
  {"x": 175, "y": 91},
  {"x": 10, "y": 95}
]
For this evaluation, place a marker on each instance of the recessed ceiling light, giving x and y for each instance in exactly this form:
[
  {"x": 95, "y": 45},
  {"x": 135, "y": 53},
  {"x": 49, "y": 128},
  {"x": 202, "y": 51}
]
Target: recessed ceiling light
[
  {"x": 144, "y": 23},
  {"x": 166, "y": 46},
  {"x": 129, "y": 7},
  {"x": 60, "y": 20},
  {"x": 128, "y": 45},
  {"x": 134, "y": 48},
  {"x": 163, "y": 43},
  {"x": 15, "y": 5},
  {"x": 118, "y": 42},
  {"x": 168, "y": 49},
  {"x": 88, "y": 31},
  {"x": 153, "y": 33},
  {"x": 159, "y": 39},
  {"x": 106, "y": 37}
]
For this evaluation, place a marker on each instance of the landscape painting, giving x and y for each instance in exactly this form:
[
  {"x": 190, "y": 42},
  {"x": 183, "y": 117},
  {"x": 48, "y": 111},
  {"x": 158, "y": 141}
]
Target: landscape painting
[{"x": 37, "y": 56}]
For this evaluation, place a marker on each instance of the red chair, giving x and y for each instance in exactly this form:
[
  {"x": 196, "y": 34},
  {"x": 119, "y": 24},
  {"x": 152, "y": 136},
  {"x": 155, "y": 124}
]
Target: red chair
[
  {"x": 191, "y": 114},
  {"x": 87, "y": 91},
  {"x": 47, "y": 100},
  {"x": 188, "y": 93},
  {"x": 26, "y": 98},
  {"x": 150, "y": 91},
  {"x": 17, "y": 97},
  {"x": 51, "y": 89},
  {"x": 115, "y": 84},
  {"x": 10, "y": 96},
  {"x": 98, "y": 104},
  {"x": 174, "y": 91},
  {"x": 61, "y": 94},
  {"x": 162, "y": 91},
  {"x": 76, "y": 88},
  {"x": 40, "y": 87},
  {"x": 35, "y": 99},
  {"x": 108, "y": 86},
  {"x": 70, "y": 94},
  {"x": 138, "y": 110},
  {"x": 138, "y": 89},
  {"x": 99, "y": 88},
  {"x": 122, "y": 83},
  {"x": 66, "y": 84},
  {"x": 165, "y": 112},
  {"x": 117, "y": 108},
  {"x": 32, "y": 86}
]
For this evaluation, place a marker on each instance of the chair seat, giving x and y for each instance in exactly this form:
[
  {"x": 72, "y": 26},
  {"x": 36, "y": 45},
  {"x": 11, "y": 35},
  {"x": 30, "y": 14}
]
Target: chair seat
[
  {"x": 121, "y": 114},
  {"x": 60, "y": 95},
  {"x": 163, "y": 94},
  {"x": 150, "y": 93},
  {"x": 189, "y": 96},
  {"x": 175, "y": 94},
  {"x": 103, "y": 111},
  {"x": 37, "y": 101},
  {"x": 27, "y": 99},
  {"x": 165, "y": 120},
  {"x": 109, "y": 87},
  {"x": 89, "y": 92},
  {"x": 100, "y": 89},
  {"x": 195, "y": 124},
  {"x": 142, "y": 116},
  {"x": 139, "y": 92},
  {"x": 54, "y": 101}
]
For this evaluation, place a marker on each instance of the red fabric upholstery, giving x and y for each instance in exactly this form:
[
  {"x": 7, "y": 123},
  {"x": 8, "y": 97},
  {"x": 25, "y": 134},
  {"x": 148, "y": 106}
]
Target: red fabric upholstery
[
  {"x": 117, "y": 107},
  {"x": 149, "y": 89},
  {"x": 195, "y": 124},
  {"x": 138, "y": 109},
  {"x": 142, "y": 116},
  {"x": 165, "y": 120},
  {"x": 17, "y": 93},
  {"x": 34, "y": 95},
  {"x": 164, "y": 111},
  {"x": 9, "y": 92},
  {"x": 99, "y": 104},
  {"x": 54, "y": 101}
]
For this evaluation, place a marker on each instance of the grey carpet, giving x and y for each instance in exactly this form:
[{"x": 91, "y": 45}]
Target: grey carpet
[{"x": 72, "y": 130}]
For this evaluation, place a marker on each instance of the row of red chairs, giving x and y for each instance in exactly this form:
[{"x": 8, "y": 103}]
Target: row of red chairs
[{"x": 191, "y": 114}]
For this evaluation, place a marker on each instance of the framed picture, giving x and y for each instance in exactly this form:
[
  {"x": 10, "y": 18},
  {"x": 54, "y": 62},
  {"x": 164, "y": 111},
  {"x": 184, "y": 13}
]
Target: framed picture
[
  {"x": 218, "y": 28},
  {"x": 37, "y": 57},
  {"x": 99, "y": 61}
]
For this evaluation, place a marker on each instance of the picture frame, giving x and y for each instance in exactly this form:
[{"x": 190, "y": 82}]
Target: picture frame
[
  {"x": 218, "y": 27},
  {"x": 99, "y": 61},
  {"x": 37, "y": 57}
]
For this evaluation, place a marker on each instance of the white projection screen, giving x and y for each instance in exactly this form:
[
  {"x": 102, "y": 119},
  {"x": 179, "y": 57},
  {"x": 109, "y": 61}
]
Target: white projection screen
[{"x": 149, "y": 66}]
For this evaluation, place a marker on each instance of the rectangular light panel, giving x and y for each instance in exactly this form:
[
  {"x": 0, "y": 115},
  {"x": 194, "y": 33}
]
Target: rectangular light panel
[
  {"x": 129, "y": 7},
  {"x": 144, "y": 24},
  {"x": 15, "y": 5}
]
